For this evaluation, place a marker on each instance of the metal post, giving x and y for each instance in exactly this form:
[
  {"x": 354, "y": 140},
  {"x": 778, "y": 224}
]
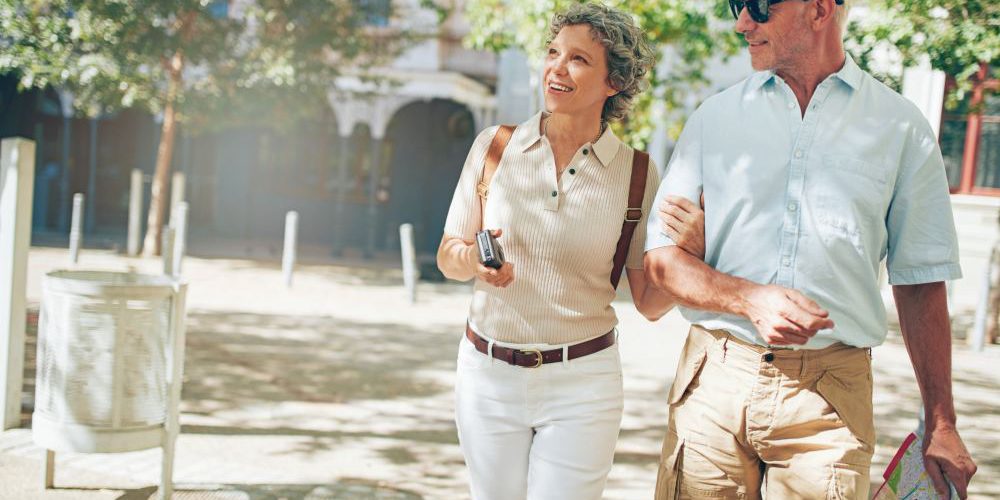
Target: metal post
[
  {"x": 288, "y": 255},
  {"x": 175, "y": 365},
  {"x": 180, "y": 236},
  {"x": 135, "y": 213},
  {"x": 410, "y": 270},
  {"x": 50, "y": 469},
  {"x": 167, "y": 250},
  {"x": 17, "y": 178},
  {"x": 76, "y": 228},
  {"x": 176, "y": 194}
]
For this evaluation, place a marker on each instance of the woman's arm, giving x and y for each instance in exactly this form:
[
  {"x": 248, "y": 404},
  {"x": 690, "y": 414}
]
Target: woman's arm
[
  {"x": 458, "y": 260},
  {"x": 684, "y": 222},
  {"x": 651, "y": 302}
]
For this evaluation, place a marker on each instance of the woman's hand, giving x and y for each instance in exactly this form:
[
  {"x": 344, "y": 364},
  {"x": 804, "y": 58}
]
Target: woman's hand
[
  {"x": 502, "y": 277},
  {"x": 684, "y": 222}
]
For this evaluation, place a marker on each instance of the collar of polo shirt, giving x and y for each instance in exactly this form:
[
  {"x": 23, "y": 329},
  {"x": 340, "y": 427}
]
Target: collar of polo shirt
[{"x": 526, "y": 137}]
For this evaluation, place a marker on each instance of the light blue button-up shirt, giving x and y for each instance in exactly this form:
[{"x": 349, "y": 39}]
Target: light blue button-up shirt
[{"x": 815, "y": 202}]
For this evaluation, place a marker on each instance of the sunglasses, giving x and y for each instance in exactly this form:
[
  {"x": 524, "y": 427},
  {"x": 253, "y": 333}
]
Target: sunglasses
[{"x": 758, "y": 9}]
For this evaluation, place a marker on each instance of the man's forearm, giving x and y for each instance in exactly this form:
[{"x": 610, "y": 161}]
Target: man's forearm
[
  {"x": 692, "y": 283},
  {"x": 923, "y": 319}
]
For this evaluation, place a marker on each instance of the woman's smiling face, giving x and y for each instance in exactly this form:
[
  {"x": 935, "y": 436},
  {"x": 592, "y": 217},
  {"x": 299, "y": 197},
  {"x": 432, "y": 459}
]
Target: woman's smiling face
[{"x": 576, "y": 72}]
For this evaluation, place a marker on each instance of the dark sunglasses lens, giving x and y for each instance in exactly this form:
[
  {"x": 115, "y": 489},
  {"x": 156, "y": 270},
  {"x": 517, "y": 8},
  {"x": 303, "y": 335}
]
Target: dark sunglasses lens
[
  {"x": 735, "y": 6},
  {"x": 758, "y": 10}
]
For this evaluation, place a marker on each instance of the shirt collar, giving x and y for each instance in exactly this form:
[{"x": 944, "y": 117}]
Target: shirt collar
[
  {"x": 850, "y": 74},
  {"x": 529, "y": 133}
]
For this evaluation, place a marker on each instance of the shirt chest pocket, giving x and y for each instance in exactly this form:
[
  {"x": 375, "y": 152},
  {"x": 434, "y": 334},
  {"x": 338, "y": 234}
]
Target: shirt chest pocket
[{"x": 851, "y": 199}]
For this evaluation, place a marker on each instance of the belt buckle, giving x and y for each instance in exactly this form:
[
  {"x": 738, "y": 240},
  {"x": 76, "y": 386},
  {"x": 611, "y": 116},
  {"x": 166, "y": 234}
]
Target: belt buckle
[{"x": 538, "y": 353}]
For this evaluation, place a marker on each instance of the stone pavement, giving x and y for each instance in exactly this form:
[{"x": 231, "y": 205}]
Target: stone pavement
[{"x": 340, "y": 389}]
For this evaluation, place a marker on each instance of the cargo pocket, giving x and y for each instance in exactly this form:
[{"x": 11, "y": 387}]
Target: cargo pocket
[
  {"x": 851, "y": 398},
  {"x": 692, "y": 361},
  {"x": 668, "y": 477}
]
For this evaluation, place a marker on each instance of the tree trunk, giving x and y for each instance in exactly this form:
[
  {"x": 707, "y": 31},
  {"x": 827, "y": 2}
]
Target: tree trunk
[{"x": 164, "y": 155}]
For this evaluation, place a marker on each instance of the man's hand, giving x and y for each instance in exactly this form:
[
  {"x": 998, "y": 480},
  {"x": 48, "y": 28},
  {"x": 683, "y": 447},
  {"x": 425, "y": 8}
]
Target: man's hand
[
  {"x": 502, "y": 277},
  {"x": 784, "y": 316},
  {"x": 684, "y": 223},
  {"x": 945, "y": 455}
]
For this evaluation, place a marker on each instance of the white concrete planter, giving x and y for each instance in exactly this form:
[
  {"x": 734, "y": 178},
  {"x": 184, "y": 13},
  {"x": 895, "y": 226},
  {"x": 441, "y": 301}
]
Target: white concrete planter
[{"x": 110, "y": 365}]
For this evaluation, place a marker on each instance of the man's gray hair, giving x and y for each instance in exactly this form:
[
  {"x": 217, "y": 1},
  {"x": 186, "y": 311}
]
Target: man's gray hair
[{"x": 629, "y": 54}]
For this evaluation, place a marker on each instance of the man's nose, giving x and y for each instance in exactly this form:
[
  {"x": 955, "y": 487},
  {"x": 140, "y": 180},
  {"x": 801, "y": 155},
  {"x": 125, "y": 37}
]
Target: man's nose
[{"x": 745, "y": 23}]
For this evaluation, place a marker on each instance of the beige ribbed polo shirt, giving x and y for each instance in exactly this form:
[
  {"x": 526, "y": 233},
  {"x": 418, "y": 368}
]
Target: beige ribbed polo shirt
[{"x": 560, "y": 234}]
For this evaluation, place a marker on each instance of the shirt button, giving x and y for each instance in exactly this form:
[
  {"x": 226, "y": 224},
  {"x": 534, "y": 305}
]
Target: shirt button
[
  {"x": 572, "y": 171},
  {"x": 769, "y": 357},
  {"x": 786, "y": 262},
  {"x": 792, "y": 207},
  {"x": 554, "y": 194},
  {"x": 798, "y": 154},
  {"x": 585, "y": 151}
]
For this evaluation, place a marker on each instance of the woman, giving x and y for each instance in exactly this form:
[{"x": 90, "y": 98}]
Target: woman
[{"x": 539, "y": 392}]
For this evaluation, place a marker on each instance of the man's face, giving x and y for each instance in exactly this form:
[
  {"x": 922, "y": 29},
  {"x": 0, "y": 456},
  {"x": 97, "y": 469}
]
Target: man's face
[{"x": 782, "y": 41}]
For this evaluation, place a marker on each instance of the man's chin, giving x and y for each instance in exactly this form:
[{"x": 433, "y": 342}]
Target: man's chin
[{"x": 760, "y": 64}]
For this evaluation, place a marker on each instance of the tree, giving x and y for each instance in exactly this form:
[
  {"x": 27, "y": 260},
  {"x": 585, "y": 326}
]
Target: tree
[
  {"x": 695, "y": 31},
  {"x": 954, "y": 36},
  {"x": 192, "y": 60}
]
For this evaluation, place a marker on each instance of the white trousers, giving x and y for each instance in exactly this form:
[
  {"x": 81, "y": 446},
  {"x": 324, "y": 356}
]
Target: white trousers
[{"x": 545, "y": 433}]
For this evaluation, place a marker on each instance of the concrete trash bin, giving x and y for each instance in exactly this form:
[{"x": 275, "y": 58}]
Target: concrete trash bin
[{"x": 110, "y": 365}]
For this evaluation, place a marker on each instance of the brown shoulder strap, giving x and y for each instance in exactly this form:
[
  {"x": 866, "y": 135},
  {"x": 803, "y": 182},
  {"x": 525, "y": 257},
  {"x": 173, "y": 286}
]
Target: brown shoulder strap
[
  {"x": 493, "y": 155},
  {"x": 636, "y": 189}
]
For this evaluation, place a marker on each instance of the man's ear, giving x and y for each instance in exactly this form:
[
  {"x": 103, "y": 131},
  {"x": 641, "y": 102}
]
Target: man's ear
[{"x": 825, "y": 12}]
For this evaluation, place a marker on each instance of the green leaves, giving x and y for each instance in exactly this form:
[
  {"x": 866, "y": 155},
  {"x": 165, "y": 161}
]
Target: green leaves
[
  {"x": 954, "y": 36},
  {"x": 116, "y": 54},
  {"x": 691, "y": 30}
]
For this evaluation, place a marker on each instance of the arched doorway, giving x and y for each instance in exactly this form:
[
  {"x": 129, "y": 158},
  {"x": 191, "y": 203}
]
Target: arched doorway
[{"x": 428, "y": 142}]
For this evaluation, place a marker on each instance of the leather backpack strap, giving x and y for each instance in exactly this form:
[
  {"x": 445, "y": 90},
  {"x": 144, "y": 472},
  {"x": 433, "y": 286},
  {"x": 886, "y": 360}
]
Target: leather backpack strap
[
  {"x": 493, "y": 155},
  {"x": 636, "y": 190}
]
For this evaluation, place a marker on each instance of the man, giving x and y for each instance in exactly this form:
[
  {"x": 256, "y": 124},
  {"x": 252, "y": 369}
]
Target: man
[{"x": 812, "y": 173}]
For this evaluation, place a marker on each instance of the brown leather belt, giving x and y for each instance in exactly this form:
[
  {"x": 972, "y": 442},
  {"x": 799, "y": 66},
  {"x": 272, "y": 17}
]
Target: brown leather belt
[{"x": 533, "y": 358}]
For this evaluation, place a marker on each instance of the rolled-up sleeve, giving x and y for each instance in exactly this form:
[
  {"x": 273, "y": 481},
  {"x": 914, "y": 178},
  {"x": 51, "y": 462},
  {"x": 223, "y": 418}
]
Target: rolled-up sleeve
[
  {"x": 683, "y": 178},
  {"x": 464, "y": 214},
  {"x": 922, "y": 243}
]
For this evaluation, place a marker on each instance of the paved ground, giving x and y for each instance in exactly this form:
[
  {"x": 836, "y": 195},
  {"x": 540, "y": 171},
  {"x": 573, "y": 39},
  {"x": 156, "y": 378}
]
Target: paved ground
[{"x": 339, "y": 388}]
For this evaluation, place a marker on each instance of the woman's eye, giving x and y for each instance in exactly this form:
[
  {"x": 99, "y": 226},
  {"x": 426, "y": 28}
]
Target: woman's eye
[{"x": 580, "y": 58}]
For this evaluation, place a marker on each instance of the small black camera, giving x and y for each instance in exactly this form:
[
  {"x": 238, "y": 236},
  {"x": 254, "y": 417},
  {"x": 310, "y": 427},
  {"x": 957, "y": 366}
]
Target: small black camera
[{"x": 490, "y": 252}]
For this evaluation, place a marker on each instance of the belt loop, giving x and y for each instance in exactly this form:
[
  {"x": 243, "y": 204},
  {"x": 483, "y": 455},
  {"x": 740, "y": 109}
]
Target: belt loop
[
  {"x": 804, "y": 359},
  {"x": 565, "y": 355},
  {"x": 489, "y": 351},
  {"x": 725, "y": 347}
]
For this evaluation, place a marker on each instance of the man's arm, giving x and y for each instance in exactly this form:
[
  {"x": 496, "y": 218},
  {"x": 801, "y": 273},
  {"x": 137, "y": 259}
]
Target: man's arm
[
  {"x": 782, "y": 316},
  {"x": 923, "y": 319}
]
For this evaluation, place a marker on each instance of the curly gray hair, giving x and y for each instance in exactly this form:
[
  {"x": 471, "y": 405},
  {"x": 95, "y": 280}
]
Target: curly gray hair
[{"x": 628, "y": 52}]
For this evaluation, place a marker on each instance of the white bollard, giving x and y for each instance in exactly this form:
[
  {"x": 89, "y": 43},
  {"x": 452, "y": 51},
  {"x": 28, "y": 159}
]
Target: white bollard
[
  {"x": 176, "y": 194},
  {"x": 167, "y": 250},
  {"x": 410, "y": 270},
  {"x": 17, "y": 179},
  {"x": 135, "y": 213},
  {"x": 288, "y": 255},
  {"x": 180, "y": 236},
  {"x": 76, "y": 228}
]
